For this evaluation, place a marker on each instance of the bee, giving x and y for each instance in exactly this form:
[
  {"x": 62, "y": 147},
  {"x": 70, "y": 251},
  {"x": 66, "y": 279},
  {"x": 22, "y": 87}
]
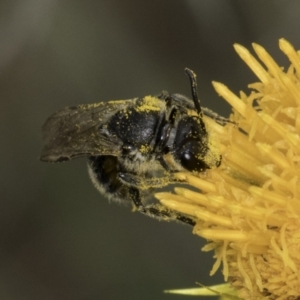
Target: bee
[{"x": 134, "y": 146}]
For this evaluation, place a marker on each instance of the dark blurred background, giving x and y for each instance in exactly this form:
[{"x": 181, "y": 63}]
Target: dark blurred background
[{"x": 59, "y": 238}]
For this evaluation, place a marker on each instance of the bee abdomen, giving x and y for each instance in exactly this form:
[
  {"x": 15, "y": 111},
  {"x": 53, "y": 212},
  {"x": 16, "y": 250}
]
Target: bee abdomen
[{"x": 104, "y": 171}]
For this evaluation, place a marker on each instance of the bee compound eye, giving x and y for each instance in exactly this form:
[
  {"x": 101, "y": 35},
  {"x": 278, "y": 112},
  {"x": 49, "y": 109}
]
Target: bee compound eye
[
  {"x": 188, "y": 160},
  {"x": 127, "y": 148}
]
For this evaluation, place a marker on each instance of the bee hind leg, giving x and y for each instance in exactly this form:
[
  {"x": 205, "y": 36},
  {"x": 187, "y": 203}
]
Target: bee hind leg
[
  {"x": 157, "y": 211},
  {"x": 143, "y": 183}
]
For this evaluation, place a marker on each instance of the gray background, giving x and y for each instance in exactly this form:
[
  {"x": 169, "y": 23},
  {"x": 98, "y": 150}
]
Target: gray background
[{"x": 59, "y": 238}]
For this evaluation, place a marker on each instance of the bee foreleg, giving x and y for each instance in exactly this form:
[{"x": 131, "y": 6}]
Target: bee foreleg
[
  {"x": 144, "y": 183},
  {"x": 219, "y": 119},
  {"x": 157, "y": 211}
]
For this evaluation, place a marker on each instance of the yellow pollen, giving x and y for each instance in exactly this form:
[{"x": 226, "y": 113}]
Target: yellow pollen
[{"x": 249, "y": 207}]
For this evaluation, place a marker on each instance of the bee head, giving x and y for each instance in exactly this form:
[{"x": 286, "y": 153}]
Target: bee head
[{"x": 190, "y": 148}]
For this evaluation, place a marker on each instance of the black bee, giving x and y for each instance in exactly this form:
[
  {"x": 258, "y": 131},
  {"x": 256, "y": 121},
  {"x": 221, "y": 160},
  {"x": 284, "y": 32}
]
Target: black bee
[{"x": 134, "y": 145}]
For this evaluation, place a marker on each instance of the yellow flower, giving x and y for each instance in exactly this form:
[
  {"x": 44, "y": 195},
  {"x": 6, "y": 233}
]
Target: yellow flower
[{"x": 249, "y": 208}]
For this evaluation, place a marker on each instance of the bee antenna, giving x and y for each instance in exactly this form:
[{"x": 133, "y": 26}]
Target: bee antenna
[{"x": 192, "y": 76}]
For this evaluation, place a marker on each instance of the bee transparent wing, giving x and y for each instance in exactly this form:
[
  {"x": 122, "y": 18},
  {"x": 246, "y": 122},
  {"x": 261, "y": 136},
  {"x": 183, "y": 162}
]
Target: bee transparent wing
[{"x": 75, "y": 131}]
